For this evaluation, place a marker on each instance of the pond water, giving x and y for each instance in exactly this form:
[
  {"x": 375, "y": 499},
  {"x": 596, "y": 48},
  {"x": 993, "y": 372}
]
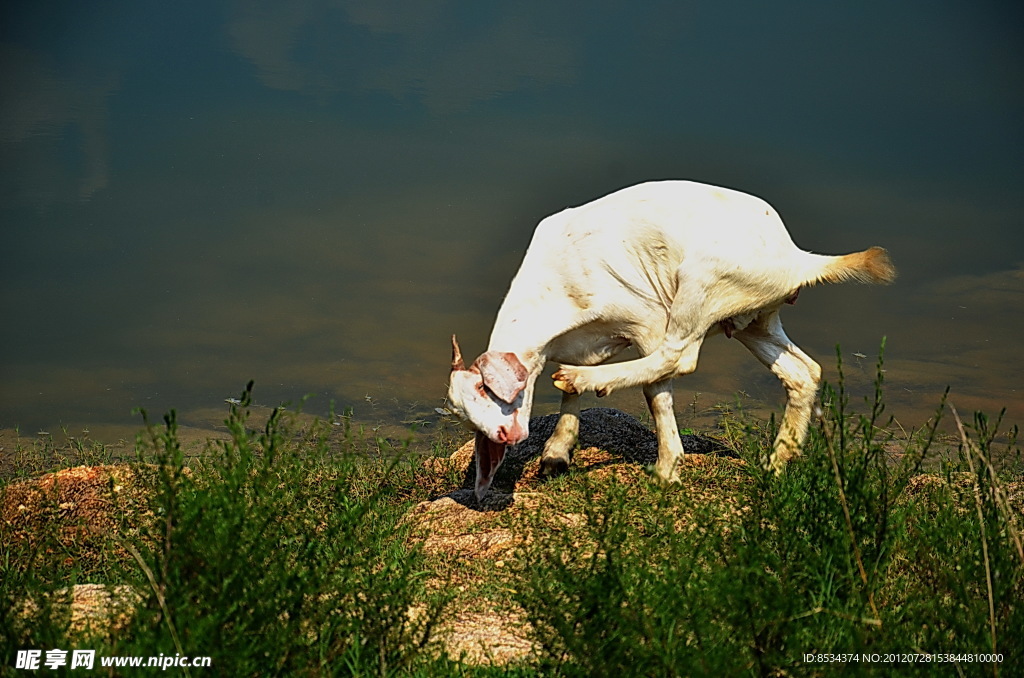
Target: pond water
[{"x": 316, "y": 195}]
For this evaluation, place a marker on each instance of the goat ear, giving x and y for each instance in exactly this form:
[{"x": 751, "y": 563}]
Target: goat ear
[
  {"x": 457, "y": 362},
  {"x": 503, "y": 373}
]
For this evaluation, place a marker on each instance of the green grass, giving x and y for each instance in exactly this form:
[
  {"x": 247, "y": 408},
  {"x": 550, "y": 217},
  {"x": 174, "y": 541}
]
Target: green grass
[
  {"x": 283, "y": 550},
  {"x": 276, "y": 554},
  {"x": 844, "y": 553}
]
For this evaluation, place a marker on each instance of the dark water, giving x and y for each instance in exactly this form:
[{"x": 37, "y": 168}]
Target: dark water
[{"x": 316, "y": 194}]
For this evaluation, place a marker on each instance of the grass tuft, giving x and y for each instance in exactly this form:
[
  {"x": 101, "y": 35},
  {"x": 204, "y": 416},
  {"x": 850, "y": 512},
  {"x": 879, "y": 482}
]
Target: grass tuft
[
  {"x": 852, "y": 550},
  {"x": 274, "y": 554}
]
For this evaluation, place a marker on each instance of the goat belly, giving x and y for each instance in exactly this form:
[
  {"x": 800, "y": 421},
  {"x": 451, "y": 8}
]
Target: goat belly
[{"x": 488, "y": 458}]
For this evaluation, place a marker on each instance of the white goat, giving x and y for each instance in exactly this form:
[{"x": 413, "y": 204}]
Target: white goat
[{"x": 662, "y": 266}]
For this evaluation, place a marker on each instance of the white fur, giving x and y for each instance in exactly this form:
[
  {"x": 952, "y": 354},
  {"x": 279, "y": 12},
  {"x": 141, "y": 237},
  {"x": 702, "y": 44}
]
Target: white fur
[{"x": 661, "y": 266}]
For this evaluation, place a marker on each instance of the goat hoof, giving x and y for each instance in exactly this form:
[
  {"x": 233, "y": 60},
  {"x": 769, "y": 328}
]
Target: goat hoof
[
  {"x": 563, "y": 382},
  {"x": 553, "y": 466},
  {"x": 661, "y": 478}
]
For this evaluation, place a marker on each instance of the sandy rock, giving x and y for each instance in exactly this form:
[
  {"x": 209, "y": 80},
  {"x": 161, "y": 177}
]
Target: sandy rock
[
  {"x": 457, "y": 529},
  {"x": 94, "y": 609},
  {"x": 487, "y": 637},
  {"x": 931, "y": 488},
  {"x": 82, "y": 503},
  {"x": 448, "y": 526}
]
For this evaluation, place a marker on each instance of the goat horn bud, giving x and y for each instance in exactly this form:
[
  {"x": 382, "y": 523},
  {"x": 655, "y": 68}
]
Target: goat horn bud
[{"x": 457, "y": 363}]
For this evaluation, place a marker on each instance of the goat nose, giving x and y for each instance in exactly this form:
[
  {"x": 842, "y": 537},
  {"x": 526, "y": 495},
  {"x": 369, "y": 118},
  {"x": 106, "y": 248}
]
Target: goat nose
[{"x": 513, "y": 437}]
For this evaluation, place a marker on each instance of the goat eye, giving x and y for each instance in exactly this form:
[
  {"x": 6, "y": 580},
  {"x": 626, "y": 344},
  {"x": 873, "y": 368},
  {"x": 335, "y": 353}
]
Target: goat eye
[{"x": 481, "y": 389}]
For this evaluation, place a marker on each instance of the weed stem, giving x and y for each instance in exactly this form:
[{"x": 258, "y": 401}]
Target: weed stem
[
  {"x": 971, "y": 452},
  {"x": 849, "y": 523}
]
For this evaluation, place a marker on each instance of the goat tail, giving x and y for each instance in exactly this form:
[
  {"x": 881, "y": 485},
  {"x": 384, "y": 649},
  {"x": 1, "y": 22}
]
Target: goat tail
[{"x": 870, "y": 266}]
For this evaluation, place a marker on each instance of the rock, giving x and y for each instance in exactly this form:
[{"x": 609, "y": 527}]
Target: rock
[
  {"x": 490, "y": 637},
  {"x": 448, "y": 526},
  {"x": 82, "y": 505},
  {"x": 95, "y": 609}
]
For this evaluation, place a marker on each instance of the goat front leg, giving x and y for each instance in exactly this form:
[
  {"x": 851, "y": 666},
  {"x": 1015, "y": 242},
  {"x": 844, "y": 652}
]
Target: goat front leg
[
  {"x": 555, "y": 459},
  {"x": 670, "y": 447}
]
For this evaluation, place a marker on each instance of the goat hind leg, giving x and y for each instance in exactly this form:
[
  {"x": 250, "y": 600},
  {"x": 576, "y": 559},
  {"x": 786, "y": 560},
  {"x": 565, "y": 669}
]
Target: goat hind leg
[
  {"x": 800, "y": 376},
  {"x": 555, "y": 458},
  {"x": 670, "y": 359}
]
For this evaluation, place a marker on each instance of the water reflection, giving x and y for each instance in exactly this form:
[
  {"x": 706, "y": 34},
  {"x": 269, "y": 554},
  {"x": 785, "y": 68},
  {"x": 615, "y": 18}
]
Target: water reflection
[{"x": 315, "y": 195}]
